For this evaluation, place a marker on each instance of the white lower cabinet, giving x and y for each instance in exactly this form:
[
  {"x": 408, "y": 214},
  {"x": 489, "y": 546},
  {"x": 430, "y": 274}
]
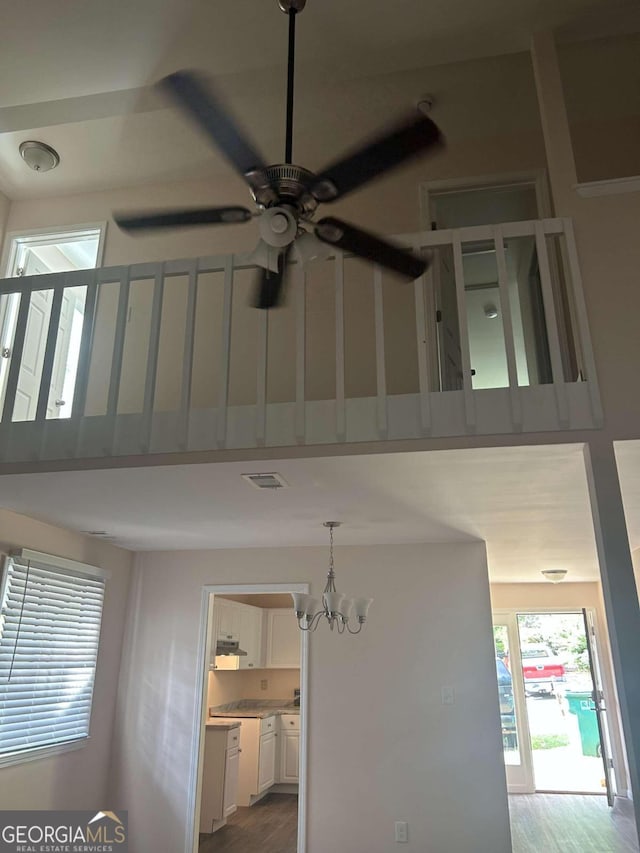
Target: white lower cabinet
[
  {"x": 219, "y": 777},
  {"x": 258, "y": 754},
  {"x": 231, "y": 771},
  {"x": 267, "y": 762},
  {"x": 289, "y": 748}
]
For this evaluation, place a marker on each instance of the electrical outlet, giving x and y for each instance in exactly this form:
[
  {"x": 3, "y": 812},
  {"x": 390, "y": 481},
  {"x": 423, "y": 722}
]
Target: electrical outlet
[
  {"x": 402, "y": 831},
  {"x": 448, "y": 696},
  {"x": 264, "y": 684}
]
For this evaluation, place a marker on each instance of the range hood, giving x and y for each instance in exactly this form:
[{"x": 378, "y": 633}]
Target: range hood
[{"x": 229, "y": 647}]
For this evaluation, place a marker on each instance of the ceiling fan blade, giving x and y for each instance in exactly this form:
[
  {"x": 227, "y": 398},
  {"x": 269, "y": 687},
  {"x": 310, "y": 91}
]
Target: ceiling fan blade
[
  {"x": 397, "y": 145},
  {"x": 197, "y": 99},
  {"x": 366, "y": 245},
  {"x": 270, "y": 284},
  {"x": 181, "y": 218}
]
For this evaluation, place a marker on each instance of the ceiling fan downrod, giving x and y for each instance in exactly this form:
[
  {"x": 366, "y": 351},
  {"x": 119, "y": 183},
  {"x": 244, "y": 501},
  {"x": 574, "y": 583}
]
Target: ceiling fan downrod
[{"x": 290, "y": 8}]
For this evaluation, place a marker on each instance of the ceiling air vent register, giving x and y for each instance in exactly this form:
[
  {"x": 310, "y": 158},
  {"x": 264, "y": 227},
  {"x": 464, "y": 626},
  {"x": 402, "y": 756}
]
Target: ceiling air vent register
[{"x": 266, "y": 481}]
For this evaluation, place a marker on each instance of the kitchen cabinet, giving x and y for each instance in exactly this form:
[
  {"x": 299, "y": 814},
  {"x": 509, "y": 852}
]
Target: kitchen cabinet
[
  {"x": 289, "y": 748},
  {"x": 267, "y": 762},
  {"x": 251, "y": 636},
  {"x": 219, "y": 777},
  {"x": 233, "y": 620},
  {"x": 283, "y": 639},
  {"x": 258, "y": 758},
  {"x": 228, "y": 619}
]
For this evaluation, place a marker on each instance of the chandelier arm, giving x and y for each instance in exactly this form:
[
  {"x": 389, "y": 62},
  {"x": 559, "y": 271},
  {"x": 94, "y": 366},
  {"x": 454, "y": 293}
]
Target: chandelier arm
[
  {"x": 315, "y": 619},
  {"x": 360, "y": 624}
]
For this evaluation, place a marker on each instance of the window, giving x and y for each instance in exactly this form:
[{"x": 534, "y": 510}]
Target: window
[{"x": 50, "y": 613}]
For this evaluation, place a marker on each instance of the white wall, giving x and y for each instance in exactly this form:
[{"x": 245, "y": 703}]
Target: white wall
[
  {"x": 5, "y": 204},
  {"x": 78, "y": 779},
  {"x": 382, "y": 747}
]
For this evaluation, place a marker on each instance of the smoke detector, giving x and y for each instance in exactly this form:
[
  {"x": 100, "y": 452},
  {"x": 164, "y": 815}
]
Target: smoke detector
[
  {"x": 266, "y": 481},
  {"x": 39, "y": 156}
]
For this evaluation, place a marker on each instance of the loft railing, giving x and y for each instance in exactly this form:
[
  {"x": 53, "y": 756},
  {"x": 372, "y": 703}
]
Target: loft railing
[{"x": 168, "y": 357}]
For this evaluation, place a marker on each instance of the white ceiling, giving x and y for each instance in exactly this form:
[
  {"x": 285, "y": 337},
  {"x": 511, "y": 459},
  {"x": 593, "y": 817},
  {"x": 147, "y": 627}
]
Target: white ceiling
[
  {"x": 71, "y": 73},
  {"x": 529, "y": 504}
]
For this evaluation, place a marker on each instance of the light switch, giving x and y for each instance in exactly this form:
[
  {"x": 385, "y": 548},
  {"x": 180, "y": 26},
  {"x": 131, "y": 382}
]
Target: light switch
[
  {"x": 402, "y": 831},
  {"x": 448, "y": 696}
]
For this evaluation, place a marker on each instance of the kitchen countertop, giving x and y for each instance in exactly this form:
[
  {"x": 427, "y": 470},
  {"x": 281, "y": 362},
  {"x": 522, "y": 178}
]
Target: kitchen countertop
[
  {"x": 217, "y": 723},
  {"x": 253, "y": 708}
]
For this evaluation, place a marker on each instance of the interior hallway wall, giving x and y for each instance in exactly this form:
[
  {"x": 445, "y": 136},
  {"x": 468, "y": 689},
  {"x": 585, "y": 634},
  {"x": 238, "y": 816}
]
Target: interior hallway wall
[
  {"x": 382, "y": 746},
  {"x": 76, "y": 779}
]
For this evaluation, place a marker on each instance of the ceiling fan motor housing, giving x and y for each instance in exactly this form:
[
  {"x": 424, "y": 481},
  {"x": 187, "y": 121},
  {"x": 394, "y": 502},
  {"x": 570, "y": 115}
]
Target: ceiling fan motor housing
[
  {"x": 284, "y": 183},
  {"x": 295, "y": 5}
]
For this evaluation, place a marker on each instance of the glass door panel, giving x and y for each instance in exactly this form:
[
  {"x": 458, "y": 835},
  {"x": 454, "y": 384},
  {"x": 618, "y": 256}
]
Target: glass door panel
[{"x": 515, "y": 738}]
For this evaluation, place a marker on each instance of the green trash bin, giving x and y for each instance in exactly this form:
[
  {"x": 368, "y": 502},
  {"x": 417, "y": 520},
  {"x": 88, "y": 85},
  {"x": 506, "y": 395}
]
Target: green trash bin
[{"x": 583, "y": 706}]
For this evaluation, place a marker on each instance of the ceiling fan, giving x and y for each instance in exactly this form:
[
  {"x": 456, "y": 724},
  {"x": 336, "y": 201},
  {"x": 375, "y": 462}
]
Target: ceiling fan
[{"x": 287, "y": 195}]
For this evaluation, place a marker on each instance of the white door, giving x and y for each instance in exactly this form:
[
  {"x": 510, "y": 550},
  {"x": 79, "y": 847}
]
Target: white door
[
  {"x": 448, "y": 327},
  {"x": 516, "y": 741},
  {"x": 35, "y": 341}
]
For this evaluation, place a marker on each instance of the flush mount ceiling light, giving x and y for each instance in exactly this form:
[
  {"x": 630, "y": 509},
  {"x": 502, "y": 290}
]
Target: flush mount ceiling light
[
  {"x": 554, "y": 575},
  {"x": 39, "y": 156},
  {"x": 335, "y": 607}
]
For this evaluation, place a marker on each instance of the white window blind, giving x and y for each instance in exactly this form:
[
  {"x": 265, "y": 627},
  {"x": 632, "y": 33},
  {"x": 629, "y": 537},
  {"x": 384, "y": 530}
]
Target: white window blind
[{"x": 49, "y": 632}]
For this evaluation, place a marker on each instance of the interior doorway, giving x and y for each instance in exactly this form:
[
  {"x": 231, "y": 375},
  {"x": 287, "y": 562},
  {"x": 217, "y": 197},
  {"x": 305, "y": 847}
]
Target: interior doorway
[
  {"x": 249, "y": 753},
  {"x": 39, "y": 253},
  {"x": 486, "y": 202}
]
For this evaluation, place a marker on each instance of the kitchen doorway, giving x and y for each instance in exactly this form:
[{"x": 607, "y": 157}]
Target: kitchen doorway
[{"x": 248, "y": 786}]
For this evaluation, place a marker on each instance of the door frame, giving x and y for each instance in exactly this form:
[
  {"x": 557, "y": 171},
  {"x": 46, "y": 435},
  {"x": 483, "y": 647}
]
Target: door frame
[
  {"x": 536, "y": 178},
  {"x": 14, "y": 240},
  {"x": 609, "y": 689},
  {"x": 201, "y": 705}
]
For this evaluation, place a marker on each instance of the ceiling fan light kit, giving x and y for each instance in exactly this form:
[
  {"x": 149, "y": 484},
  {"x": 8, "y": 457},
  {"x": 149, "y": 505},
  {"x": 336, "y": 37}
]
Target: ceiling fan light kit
[{"x": 287, "y": 195}]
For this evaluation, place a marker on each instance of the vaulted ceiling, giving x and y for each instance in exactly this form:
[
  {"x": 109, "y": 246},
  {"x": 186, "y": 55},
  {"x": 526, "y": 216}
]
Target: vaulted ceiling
[{"x": 76, "y": 74}]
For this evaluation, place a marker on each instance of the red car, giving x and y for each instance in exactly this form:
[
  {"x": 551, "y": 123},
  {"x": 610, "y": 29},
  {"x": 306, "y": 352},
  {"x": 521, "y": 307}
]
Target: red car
[{"x": 541, "y": 669}]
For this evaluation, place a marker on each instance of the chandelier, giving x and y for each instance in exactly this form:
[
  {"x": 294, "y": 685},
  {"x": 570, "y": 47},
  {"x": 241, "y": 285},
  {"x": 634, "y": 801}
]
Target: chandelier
[{"x": 336, "y": 608}]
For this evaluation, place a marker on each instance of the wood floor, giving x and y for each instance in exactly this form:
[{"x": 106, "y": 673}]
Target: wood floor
[
  {"x": 540, "y": 823},
  {"x": 271, "y": 826},
  {"x": 568, "y": 823}
]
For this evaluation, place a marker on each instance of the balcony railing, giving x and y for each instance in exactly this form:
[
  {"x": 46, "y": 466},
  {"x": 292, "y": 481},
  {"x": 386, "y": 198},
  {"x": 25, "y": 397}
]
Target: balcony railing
[{"x": 170, "y": 357}]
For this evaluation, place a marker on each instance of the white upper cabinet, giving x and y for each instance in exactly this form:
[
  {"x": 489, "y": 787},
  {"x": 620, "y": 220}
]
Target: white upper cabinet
[
  {"x": 251, "y": 636},
  {"x": 283, "y": 640},
  {"x": 242, "y": 623},
  {"x": 228, "y": 622}
]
